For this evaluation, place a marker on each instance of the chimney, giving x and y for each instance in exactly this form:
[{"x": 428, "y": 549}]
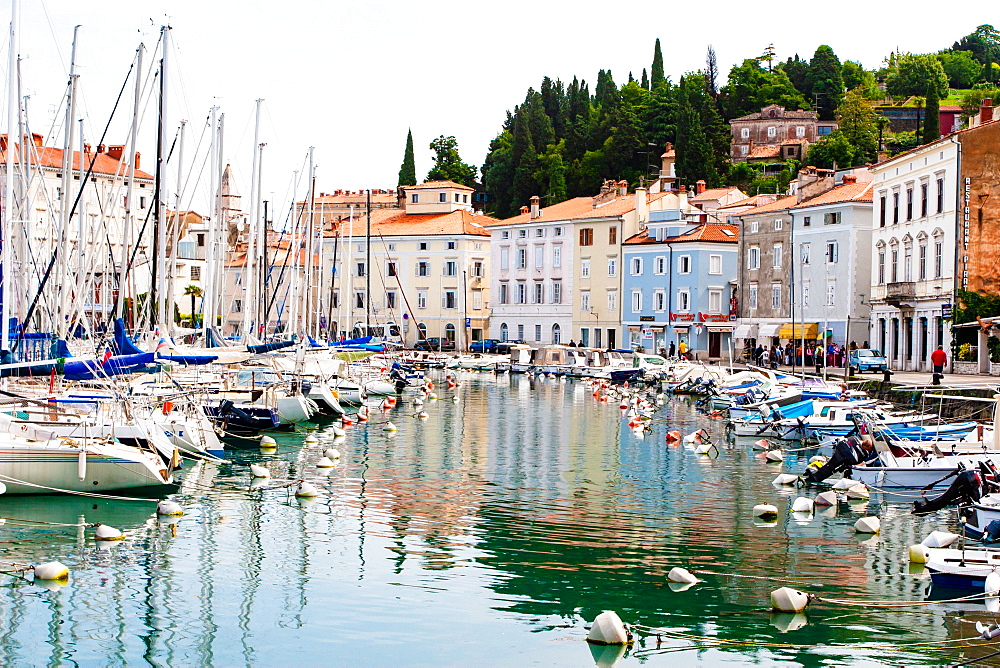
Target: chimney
[
  {"x": 38, "y": 139},
  {"x": 986, "y": 110},
  {"x": 682, "y": 198},
  {"x": 101, "y": 148},
  {"x": 86, "y": 148},
  {"x": 3, "y": 142},
  {"x": 699, "y": 186},
  {"x": 813, "y": 182},
  {"x": 850, "y": 179},
  {"x": 623, "y": 188},
  {"x": 115, "y": 151},
  {"x": 641, "y": 206},
  {"x": 535, "y": 210},
  {"x": 524, "y": 210},
  {"x": 137, "y": 159}
]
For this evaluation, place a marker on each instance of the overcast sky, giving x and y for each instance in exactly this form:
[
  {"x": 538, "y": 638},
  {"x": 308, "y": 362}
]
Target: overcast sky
[{"x": 350, "y": 77}]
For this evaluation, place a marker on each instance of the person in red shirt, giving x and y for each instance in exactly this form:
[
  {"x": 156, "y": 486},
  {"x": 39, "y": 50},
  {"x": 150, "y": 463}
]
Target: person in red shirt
[{"x": 938, "y": 358}]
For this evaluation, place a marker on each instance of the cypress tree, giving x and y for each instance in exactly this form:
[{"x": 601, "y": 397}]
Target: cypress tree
[
  {"x": 826, "y": 81},
  {"x": 408, "y": 170},
  {"x": 645, "y": 79},
  {"x": 656, "y": 76},
  {"x": 932, "y": 120},
  {"x": 695, "y": 159}
]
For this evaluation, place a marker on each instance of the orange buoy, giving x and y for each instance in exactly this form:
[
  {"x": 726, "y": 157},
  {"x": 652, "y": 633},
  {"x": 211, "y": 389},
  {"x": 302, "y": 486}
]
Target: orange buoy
[
  {"x": 673, "y": 435},
  {"x": 347, "y": 421}
]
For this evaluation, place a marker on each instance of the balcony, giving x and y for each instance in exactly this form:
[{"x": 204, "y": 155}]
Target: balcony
[{"x": 898, "y": 294}]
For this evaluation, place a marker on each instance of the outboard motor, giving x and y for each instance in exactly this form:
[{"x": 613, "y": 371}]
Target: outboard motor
[
  {"x": 967, "y": 488},
  {"x": 846, "y": 454}
]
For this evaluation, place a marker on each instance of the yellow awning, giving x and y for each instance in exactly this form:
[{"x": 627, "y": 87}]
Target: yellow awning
[{"x": 809, "y": 330}]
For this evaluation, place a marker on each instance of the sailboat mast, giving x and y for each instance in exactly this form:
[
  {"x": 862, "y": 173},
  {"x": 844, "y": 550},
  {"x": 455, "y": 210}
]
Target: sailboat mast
[
  {"x": 129, "y": 223},
  {"x": 251, "y": 263},
  {"x": 368, "y": 265},
  {"x": 175, "y": 232},
  {"x": 159, "y": 229},
  {"x": 67, "y": 182},
  {"x": 307, "y": 263},
  {"x": 6, "y": 287}
]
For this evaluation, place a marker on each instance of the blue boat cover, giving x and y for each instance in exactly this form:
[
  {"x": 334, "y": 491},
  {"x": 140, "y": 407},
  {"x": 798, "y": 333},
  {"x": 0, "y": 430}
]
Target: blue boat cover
[
  {"x": 268, "y": 347},
  {"x": 123, "y": 345},
  {"x": 212, "y": 338},
  {"x": 190, "y": 360},
  {"x": 116, "y": 365}
]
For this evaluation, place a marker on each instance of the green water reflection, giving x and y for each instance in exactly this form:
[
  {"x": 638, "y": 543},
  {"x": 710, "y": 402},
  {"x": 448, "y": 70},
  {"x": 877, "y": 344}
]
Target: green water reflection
[{"x": 490, "y": 534}]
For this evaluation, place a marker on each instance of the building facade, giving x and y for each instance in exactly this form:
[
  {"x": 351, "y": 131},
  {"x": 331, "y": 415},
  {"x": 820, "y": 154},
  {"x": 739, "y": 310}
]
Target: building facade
[{"x": 786, "y": 134}]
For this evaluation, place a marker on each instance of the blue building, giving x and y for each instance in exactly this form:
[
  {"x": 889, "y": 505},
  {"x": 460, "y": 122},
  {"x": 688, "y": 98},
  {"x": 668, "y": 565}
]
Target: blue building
[{"x": 678, "y": 285}]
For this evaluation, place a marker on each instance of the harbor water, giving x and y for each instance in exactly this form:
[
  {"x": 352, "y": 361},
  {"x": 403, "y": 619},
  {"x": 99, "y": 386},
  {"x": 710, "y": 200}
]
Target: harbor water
[{"x": 490, "y": 534}]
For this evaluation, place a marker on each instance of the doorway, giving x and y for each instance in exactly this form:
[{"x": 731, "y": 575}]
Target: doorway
[{"x": 714, "y": 344}]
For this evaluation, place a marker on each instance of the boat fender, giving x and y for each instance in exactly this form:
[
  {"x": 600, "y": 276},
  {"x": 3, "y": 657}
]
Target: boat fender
[
  {"x": 919, "y": 554},
  {"x": 867, "y": 525},
  {"x": 50, "y": 570},
  {"x": 939, "y": 539},
  {"x": 992, "y": 584},
  {"x": 266, "y": 441},
  {"x": 608, "y": 629},
  {"x": 169, "y": 508},
  {"x": 104, "y": 532},
  {"x": 787, "y": 599},
  {"x": 389, "y": 427},
  {"x": 682, "y": 575}
]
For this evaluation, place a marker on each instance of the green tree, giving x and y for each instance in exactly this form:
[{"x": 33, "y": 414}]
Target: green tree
[
  {"x": 555, "y": 176},
  {"x": 961, "y": 67},
  {"x": 408, "y": 170},
  {"x": 780, "y": 91},
  {"x": 835, "y": 151},
  {"x": 984, "y": 45},
  {"x": 645, "y": 79},
  {"x": 656, "y": 75},
  {"x": 524, "y": 183},
  {"x": 498, "y": 174},
  {"x": 739, "y": 95},
  {"x": 858, "y": 123},
  {"x": 448, "y": 165},
  {"x": 768, "y": 57},
  {"x": 711, "y": 72},
  {"x": 856, "y": 77},
  {"x": 826, "y": 82},
  {"x": 797, "y": 71},
  {"x": 195, "y": 293},
  {"x": 932, "y": 118},
  {"x": 695, "y": 159},
  {"x": 908, "y": 75},
  {"x": 660, "y": 115}
]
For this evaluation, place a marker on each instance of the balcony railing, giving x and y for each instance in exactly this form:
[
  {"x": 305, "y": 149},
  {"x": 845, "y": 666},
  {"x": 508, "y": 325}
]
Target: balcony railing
[{"x": 899, "y": 293}]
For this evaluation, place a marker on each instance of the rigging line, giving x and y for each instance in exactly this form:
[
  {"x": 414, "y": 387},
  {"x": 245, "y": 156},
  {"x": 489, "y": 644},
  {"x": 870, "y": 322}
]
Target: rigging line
[
  {"x": 281, "y": 274},
  {"x": 76, "y": 203}
]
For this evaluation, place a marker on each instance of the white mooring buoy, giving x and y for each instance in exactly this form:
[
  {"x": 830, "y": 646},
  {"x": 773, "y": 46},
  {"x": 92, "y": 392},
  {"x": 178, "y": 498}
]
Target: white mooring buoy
[
  {"x": 867, "y": 525},
  {"x": 681, "y": 575},
  {"x": 169, "y": 508},
  {"x": 104, "y": 532},
  {"x": 311, "y": 438},
  {"x": 858, "y": 492},
  {"x": 787, "y": 599},
  {"x": 338, "y": 431},
  {"x": 51, "y": 570},
  {"x": 332, "y": 453},
  {"x": 267, "y": 442},
  {"x": 802, "y": 504},
  {"x": 844, "y": 484},
  {"x": 826, "y": 499},
  {"x": 609, "y": 629},
  {"x": 765, "y": 510},
  {"x": 785, "y": 479},
  {"x": 325, "y": 463},
  {"x": 939, "y": 539},
  {"x": 389, "y": 427},
  {"x": 774, "y": 456},
  {"x": 306, "y": 490},
  {"x": 258, "y": 471}
]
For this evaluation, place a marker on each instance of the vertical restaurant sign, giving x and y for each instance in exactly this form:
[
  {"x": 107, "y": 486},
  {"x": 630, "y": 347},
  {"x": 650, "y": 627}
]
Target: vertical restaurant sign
[{"x": 966, "y": 200}]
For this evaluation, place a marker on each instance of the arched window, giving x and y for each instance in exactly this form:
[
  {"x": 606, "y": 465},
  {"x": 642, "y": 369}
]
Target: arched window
[
  {"x": 423, "y": 330},
  {"x": 504, "y": 332},
  {"x": 449, "y": 331},
  {"x": 556, "y": 333}
]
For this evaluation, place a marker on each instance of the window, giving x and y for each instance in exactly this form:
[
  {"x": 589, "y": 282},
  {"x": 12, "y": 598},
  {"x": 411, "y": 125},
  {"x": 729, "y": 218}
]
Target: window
[
  {"x": 392, "y": 247},
  {"x": 938, "y": 258},
  {"x": 684, "y": 264},
  {"x": 800, "y": 132},
  {"x": 585, "y": 268},
  {"x": 823, "y": 130},
  {"x": 538, "y": 332},
  {"x": 715, "y": 264},
  {"x": 752, "y": 298},
  {"x": 556, "y": 257},
  {"x": 442, "y": 197},
  {"x": 894, "y": 268},
  {"x": 922, "y": 262},
  {"x": 636, "y": 301},
  {"x": 504, "y": 332},
  {"x": 540, "y": 232},
  {"x": 831, "y": 252},
  {"x": 556, "y": 292},
  {"x": 940, "y": 194},
  {"x": 415, "y": 198},
  {"x": 777, "y": 224},
  {"x": 775, "y": 296},
  {"x": 237, "y": 306},
  {"x": 881, "y": 267},
  {"x": 881, "y": 211},
  {"x": 584, "y": 301},
  {"x": 522, "y": 258},
  {"x": 539, "y": 257},
  {"x": 423, "y": 268},
  {"x": 753, "y": 258},
  {"x": 923, "y": 200},
  {"x": 390, "y": 269},
  {"x": 804, "y": 251},
  {"x": 684, "y": 300},
  {"x": 451, "y": 245},
  {"x": 909, "y": 203},
  {"x": 457, "y": 198},
  {"x": 832, "y": 218},
  {"x": 895, "y": 208},
  {"x": 477, "y": 269},
  {"x": 587, "y": 236},
  {"x": 504, "y": 297},
  {"x": 612, "y": 266},
  {"x": 522, "y": 293},
  {"x": 659, "y": 300},
  {"x": 421, "y": 299},
  {"x": 201, "y": 240},
  {"x": 771, "y": 132},
  {"x": 907, "y": 262},
  {"x": 505, "y": 234},
  {"x": 744, "y": 133},
  {"x": 422, "y": 245},
  {"x": 556, "y": 333},
  {"x": 612, "y": 300},
  {"x": 195, "y": 273},
  {"x": 776, "y": 256},
  {"x": 831, "y": 291},
  {"x": 359, "y": 300},
  {"x": 359, "y": 269},
  {"x": 744, "y": 149},
  {"x": 451, "y": 268},
  {"x": 660, "y": 264},
  {"x": 390, "y": 300},
  {"x": 636, "y": 266},
  {"x": 520, "y": 332},
  {"x": 753, "y": 226},
  {"x": 505, "y": 258},
  {"x": 613, "y": 235},
  {"x": 806, "y": 221},
  {"x": 805, "y": 294},
  {"x": 557, "y": 232},
  {"x": 715, "y": 301},
  {"x": 450, "y": 299},
  {"x": 465, "y": 199},
  {"x": 538, "y": 297},
  {"x": 522, "y": 234}
]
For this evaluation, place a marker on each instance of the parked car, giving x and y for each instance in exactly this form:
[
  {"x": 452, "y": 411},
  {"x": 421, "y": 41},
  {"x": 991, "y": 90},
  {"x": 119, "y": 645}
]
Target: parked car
[
  {"x": 503, "y": 347},
  {"x": 434, "y": 343},
  {"x": 484, "y": 346},
  {"x": 867, "y": 359}
]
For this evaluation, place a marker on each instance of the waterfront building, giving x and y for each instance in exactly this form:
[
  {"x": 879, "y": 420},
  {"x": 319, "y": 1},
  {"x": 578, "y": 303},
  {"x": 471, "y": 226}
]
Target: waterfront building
[
  {"x": 678, "y": 283},
  {"x": 775, "y": 134}
]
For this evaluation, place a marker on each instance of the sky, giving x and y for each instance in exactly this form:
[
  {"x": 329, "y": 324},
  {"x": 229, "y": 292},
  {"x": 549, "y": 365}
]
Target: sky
[{"x": 349, "y": 78}]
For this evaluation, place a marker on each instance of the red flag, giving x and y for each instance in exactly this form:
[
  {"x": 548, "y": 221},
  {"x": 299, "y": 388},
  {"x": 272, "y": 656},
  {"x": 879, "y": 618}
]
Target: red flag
[{"x": 107, "y": 356}]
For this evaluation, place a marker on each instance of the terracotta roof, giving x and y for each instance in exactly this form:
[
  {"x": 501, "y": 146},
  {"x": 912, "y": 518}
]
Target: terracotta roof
[
  {"x": 850, "y": 192},
  {"x": 439, "y": 184},
  {"x": 757, "y": 115},
  {"x": 794, "y": 140},
  {"x": 53, "y": 157},
  {"x": 776, "y": 205},
  {"x": 756, "y": 200},
  {"x": 950, "y": 107},
  {"x": 764, "y": 152},
  {"x": 398, "y": 223},
  {"x": 704, "y": 232},
  {"x": 580, "y": 208},
  {"x": 713, "y": 193}
]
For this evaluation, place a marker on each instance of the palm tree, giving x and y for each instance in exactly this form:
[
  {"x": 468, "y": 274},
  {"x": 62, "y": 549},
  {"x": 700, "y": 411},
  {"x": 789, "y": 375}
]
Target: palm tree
[{"x": 195, "y": 293}]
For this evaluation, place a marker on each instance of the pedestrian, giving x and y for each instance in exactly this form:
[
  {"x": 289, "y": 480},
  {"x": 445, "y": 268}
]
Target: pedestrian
[
  {"x": 682, "y": 349},
  {"x": 764, "y": 357},
  {"x": 571, "y": 344},
  {"x": 939, "y": 359},
  {"x": 758, "y": 355},
  {"x": 672, "y": 349}
]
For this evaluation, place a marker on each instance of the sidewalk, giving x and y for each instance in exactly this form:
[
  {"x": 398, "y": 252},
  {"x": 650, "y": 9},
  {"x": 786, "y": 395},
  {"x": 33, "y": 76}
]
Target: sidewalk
[{"x": 907, "y": 378}]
